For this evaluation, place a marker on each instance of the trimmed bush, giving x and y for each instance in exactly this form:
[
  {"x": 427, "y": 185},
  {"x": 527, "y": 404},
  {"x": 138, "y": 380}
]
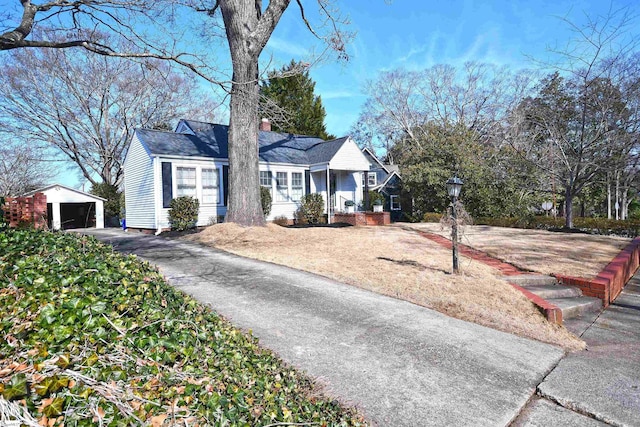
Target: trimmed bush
[
  {"x": 183, "y": 213},
  {"x": 281, "y": 220},
  {"x": 311, "y": 208},
  {"x": 627, "y": 228},
  {"x": 265, "y": 199}
]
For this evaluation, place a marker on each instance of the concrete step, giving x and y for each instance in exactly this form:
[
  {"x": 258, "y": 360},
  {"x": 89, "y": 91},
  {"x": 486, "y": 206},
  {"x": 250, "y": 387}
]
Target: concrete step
[
  {"x": 554, "y": 291},
  {"x": 575, "y": 306},
  {"x": 526, "y": 280}
]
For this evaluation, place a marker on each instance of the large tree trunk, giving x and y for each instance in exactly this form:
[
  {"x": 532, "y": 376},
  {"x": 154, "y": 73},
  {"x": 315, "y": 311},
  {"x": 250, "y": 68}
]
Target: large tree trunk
[
  {"x": 244, "y": 189},
  {"x": 625, "y": 203},
  {"x": 244, "y": 205},
  {"x": 248, "y": 30},
  {"x": 608, "y": 197},
  {"x": 568, "y": 208}
]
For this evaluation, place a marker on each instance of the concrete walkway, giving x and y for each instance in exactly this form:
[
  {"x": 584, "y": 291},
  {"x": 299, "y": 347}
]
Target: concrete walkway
[{"x": 401, "y": 364}]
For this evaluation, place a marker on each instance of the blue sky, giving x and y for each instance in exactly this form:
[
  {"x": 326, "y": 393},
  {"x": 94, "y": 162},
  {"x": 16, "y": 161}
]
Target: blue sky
[
  {"x": 419, "y": 34},
  {"x": 416, "y": 35}
]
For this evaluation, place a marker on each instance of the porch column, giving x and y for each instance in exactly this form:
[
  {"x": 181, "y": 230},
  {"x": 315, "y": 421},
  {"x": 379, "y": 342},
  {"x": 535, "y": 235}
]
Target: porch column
[
  {"x": 366, "y": 189},
  {"x": 328, "y": 196}
]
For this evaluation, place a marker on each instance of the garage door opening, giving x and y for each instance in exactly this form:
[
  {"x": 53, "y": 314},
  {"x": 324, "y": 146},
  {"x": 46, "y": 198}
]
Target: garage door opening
[{"x": 76, "y": 215}]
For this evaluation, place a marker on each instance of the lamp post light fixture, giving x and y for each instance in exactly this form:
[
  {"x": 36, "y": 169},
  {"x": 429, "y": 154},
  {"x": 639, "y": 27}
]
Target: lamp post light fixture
[{"x": 454, "y": 185}]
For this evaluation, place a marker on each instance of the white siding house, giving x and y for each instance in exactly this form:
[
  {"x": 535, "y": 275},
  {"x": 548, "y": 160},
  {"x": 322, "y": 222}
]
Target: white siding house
[{"x": 193, "y": 161}]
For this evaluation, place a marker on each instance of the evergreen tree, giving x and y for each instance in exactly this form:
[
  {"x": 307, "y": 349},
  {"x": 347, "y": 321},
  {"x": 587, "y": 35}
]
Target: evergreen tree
[{"x": 293, "y": 91}]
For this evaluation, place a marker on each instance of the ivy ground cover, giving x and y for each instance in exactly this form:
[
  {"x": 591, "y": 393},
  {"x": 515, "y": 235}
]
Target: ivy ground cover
[{"x": 92, "y": 337}]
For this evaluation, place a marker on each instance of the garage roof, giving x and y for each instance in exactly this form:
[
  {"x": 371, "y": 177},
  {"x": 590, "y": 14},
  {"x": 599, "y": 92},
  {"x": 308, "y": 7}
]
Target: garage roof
[{"x": 60, "y": 187}]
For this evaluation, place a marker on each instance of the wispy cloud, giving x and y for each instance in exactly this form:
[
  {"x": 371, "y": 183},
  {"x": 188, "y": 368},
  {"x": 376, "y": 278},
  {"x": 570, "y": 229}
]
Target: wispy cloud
[
  {"x": 413, "y": 51},
  {"x": 286, "y": 46},
  {"x": 337, "y": 94}
]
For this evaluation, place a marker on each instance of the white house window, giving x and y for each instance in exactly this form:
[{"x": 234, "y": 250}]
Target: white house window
[
  {"x": 209, "y": 186},
  {"x": 371, "y": 179},
  {"x": 296, "y": 186},
  {"x": 186, "y": 181},
  {"x": 282, "y": 187},
  {"x": 265, "y": 180},
  {"x": 395, "y": 203}
]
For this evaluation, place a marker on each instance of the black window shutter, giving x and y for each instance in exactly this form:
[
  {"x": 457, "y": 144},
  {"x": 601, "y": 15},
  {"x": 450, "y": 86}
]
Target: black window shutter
[
  {"x": 225, "y": 184},
  {"x": 167, "y": 184},
  {"x": 307, "y": 182}
]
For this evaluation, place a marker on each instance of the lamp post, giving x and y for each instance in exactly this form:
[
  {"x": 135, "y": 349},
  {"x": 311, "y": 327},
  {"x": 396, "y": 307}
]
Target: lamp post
[{"x": 454, "y": 185}]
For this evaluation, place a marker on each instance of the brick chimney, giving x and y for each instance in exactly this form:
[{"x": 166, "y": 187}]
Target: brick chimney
[{"x": 265, "y": 125}]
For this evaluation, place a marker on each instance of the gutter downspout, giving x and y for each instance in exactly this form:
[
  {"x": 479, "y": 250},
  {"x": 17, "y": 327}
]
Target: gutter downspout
[{"x": 158, "y": 193}]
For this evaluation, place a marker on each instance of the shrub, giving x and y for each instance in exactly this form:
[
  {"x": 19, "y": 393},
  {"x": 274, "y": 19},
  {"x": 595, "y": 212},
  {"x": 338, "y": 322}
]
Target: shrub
[
  {"x": 375, "y": 198},
  {"x": 115, "y": 203},
  {"x": 183, "y": 213},
  {"x": 265, "y": 199},
  {"x": 311, "y": 207},
  {"x": 299, "y": 218},
  {"x": 281, "y": 220},
  {"x": 629, "y": 227},
  {"x": 431, "y": 217}
]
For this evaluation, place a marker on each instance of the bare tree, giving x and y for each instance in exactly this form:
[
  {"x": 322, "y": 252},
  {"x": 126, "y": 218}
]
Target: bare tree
[
  {"x": 22, "y": 168},
  {"x": 87, "y": 107},
  {"x": 247, "y": 26},
  {"x": 476, "y": 97},
  {"x": 584, "y": 119}
]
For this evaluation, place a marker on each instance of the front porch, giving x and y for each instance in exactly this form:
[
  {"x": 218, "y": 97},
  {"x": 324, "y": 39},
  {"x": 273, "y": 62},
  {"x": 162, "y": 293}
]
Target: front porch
[{"x": 345, "y": 192}]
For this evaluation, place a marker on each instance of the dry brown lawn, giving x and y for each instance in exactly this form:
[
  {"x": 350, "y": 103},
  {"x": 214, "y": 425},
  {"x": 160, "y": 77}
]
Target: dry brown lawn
[
  {"x": 398, "y": 263},
  {"x": 572, "y": 254}
]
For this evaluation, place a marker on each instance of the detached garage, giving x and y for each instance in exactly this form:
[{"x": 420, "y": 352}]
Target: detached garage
[{"x": 68, "y": 208}]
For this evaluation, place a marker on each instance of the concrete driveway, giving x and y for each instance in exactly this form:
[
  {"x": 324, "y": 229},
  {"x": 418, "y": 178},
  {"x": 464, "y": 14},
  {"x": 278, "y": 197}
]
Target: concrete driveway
[{"x": 400, "y": 364}]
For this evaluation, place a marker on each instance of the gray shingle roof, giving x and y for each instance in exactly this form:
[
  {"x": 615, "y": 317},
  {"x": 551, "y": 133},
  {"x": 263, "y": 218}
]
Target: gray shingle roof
[
  {"x": 180, "y": 144},
  {"x": 322, "y": 153},
  {"x": 210, "y": 140}
]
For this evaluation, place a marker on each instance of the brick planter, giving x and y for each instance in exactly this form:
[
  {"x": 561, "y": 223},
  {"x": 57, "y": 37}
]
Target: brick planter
[{"x": 363, "y": 218}]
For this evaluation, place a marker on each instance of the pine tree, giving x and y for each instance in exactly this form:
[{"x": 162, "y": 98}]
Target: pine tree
[{"x": 293, "y": 91}]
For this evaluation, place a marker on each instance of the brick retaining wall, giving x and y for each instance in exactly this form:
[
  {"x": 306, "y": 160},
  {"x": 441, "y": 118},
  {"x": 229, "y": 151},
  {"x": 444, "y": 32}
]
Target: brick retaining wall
[{"x": 608, "y": 284}]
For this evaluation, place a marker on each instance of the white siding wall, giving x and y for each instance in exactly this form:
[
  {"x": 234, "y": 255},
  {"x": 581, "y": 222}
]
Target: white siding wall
[
  {"x": 349, "y": 157},
  {"x": 139, "y": 187},
  {"x": 208, "y": 212},
  {"x": 279, "y": 208}
]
